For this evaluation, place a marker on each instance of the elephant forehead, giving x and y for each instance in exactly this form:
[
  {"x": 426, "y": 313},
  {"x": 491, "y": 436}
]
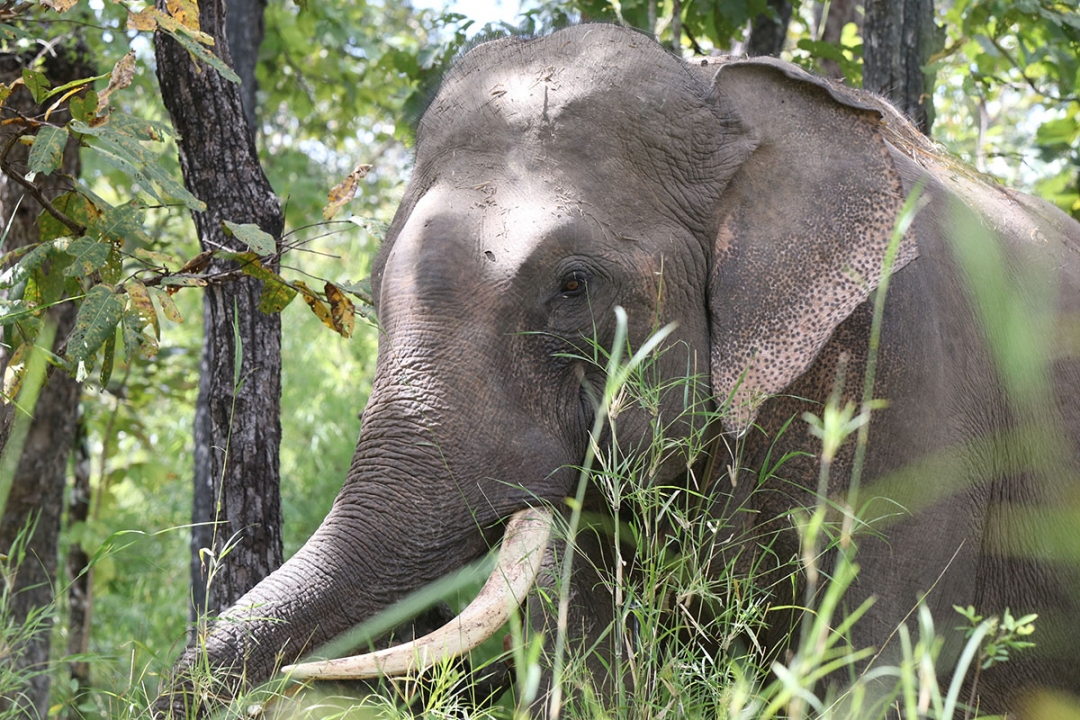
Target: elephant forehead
[
  {"x": 459, "y": 236},
  {"x": 528, "y": 118},
  {"x": 579, "y": 91}
]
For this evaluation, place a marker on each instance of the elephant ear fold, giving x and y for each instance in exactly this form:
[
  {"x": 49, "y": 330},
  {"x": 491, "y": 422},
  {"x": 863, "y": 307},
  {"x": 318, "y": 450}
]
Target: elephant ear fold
[{"x": 803, "y": 227}]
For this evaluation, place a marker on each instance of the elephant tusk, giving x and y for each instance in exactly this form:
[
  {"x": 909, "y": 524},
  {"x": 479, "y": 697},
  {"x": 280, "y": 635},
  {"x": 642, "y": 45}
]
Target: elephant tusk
[{"x": 523, "y": 546}]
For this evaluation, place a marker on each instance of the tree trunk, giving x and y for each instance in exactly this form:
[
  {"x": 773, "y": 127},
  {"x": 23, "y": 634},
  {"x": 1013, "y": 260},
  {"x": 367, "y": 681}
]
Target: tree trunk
[
  {"x": 841, "y": 12},
  {"x": 676, "y": 27},
  {"x": 768, "y": 31},
  {"x": 239, "y": 427},
  {"x": 245, "y": 27},
  {"x": 245, "y": 31},
  {"x": 899, "y": 36},
  {"x": 80, "y": 603},
  {"x": 37, "y": 489}
]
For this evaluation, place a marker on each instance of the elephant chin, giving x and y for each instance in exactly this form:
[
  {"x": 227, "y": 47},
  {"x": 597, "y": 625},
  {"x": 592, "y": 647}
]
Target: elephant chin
[{"x": 524, "y": 543}]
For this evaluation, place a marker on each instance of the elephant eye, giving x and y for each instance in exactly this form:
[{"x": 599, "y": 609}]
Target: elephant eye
[{"x": 574, "y": 284}]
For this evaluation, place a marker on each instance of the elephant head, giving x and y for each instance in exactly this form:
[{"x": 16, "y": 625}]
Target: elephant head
[{"x": 555, "y": 180}]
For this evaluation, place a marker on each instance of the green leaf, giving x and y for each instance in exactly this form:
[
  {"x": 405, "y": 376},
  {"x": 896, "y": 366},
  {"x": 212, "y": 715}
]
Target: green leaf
[
  {"x": 113, "y": 268},
  {"x": 139, "y": 128},
  {"x": 107, "y": 359},
  {"x": 84, "y": 109},
  {"x": 1058, "y": 132},
  {"x": 74, "y": 84},
  {"x": 73, "y": 205},
  {"x": 173, "y": 189},
  {"x": 29, "y": 263},
  {"x": 251, "y": 235},
  {"x": 101, "y": 310},
  {"x": 136, "y": 338},
  {"x": 123, "y": 224},
  {"x": 276, "y": 293},
  {"x": 275, "y": 296},
  {"x": 12, "y": 311},
  {"x": 201, "y": 52},
  {"x": 48, "y": 150},
  {"x": 89, "y": 256},
  {"x": 128, "y": 154},
  {"x": 36, "y": 83}
]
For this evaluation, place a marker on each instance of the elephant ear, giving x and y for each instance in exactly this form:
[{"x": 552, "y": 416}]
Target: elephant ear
[{"x": 804, "y": 224}]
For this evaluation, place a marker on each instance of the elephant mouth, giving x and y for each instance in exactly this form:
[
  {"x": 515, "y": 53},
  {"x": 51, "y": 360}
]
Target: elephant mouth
[{"x": 518, "y": 563}]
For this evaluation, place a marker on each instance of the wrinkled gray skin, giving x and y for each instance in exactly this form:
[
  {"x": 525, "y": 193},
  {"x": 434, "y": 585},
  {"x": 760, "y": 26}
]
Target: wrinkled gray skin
[{"x": 560, "y": 177}]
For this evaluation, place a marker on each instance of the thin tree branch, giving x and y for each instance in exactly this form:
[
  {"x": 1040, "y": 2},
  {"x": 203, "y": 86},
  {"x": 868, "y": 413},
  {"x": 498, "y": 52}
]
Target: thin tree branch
[
  {"x": 35, "y": 191},
  {"x": 1030, "y": 82}
]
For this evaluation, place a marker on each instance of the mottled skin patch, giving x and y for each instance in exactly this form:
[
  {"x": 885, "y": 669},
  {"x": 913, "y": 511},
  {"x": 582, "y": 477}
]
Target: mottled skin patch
[{"x": 803, "y": 231}]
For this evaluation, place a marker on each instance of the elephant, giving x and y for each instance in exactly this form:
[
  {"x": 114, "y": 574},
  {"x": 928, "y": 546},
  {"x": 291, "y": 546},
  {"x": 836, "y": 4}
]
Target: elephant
[{"x": 748, "y": 206}]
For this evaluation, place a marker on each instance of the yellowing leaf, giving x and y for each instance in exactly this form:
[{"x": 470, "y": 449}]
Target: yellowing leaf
[
  {"x": 173, "y": 283},
  {"x": 275, "y": 296},
  {"x": 16, "y": 371},
  {"x": 341, "y": 310},
  {"x": 155, "y": 258},
  {"x": 122, "y": 74},
  {"x": 140, "y": 305},
  {"x": 344, "y": 191},
  {"x": 6, "y": 90},
  {"x": 168, "y": 306},
  {"x": 76, "y": 207},
  {"x": 145, "y": 20},
  {"x": 316, "y": 304},
  {"x": 186, "y": 11}
]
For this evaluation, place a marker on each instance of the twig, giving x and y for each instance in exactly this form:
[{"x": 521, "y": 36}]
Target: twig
[
  {"x": 35, "y": 191},
  {"x": 1030, "y": 82}
]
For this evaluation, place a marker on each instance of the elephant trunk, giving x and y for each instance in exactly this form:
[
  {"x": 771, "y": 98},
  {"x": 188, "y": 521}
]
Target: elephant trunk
[
  {"x": 519, "y": 561},
  {"x": 371, "y": 550},
  {"x": 403, "y": 519}
]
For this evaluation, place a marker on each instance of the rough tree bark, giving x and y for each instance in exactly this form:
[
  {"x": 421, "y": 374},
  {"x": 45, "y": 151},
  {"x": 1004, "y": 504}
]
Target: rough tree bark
[
  {"x": 80, "y": 605},
  {"x": 37, "y": 489},
  {"x": 899, "y": 36},
  {"x": 245, "y": 27},
  {"x": 768, "y": 31},
  {"x": 841, "y": 12},
  {"x": 240, "y": 431}
]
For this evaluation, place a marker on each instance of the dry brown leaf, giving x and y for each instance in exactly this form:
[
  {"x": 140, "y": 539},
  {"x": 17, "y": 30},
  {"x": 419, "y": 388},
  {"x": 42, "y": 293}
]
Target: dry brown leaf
[
  {"x": 145, "y": 20},
  {"x": 341, "y": 310},
  {"x": 344, "y": 191},
  {"x": 197, "y": 263},
  {"x": 60, "y": 6},
  {"x": 316, "y": 304},
  {"x": 122, "y": 74}
]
